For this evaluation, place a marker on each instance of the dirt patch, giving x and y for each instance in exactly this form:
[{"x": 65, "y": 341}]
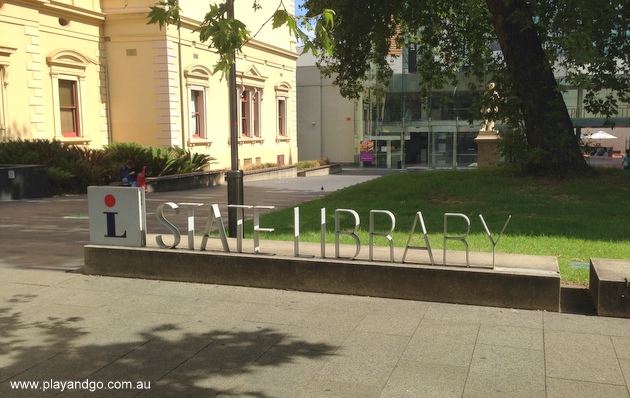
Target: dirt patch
[{"x": 443, "y": 201}]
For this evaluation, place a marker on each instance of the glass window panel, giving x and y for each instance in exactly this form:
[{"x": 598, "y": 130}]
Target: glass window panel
[
  {"x": 67, "y": 121},
  {"x": 66, "y": 93}
]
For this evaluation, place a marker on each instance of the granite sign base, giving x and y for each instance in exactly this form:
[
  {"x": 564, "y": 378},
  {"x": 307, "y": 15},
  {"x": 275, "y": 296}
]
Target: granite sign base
[{"x": 517, "y": 281}]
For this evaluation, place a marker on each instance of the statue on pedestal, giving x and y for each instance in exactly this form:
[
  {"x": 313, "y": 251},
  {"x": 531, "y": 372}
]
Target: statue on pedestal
[
  {"x": 488, "y": 139},
  {"x": 489, "y": 113}
]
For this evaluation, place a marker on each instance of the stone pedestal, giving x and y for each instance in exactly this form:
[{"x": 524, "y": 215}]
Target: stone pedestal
[{"x": 488, "y": 148}]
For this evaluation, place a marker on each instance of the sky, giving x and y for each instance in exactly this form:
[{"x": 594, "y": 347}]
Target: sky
[{"x": 298, "y": 10}]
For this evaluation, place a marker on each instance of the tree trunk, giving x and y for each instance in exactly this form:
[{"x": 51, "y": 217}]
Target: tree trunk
[{"x": 553, "y": 146}]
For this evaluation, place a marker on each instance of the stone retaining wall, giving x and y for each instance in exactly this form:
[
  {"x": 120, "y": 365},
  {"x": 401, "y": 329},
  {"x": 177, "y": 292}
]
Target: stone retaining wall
[
  {"x": 202, "y": 179},
  {"x": 320, "y": 171},
  {"x": 178, "y": 182},
  {"x": 270, "y": 173}
]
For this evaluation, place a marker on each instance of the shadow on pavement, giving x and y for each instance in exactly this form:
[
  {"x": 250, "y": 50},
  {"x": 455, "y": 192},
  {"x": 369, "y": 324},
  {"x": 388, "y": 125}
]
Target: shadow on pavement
[{"x": 166, "y": 360}]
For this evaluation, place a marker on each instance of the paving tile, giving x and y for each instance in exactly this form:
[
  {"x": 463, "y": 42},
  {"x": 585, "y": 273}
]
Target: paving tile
[
  {"x": 622, "y": 346},
  {"x": 329, "y": 315},
  {"x": 321, "y": 388},
  {"x": 352, "y": 303},
  {"x": 84, "y": 298},
  {"x": 560, "y": 388},
  {"x": 592, "y": 324},
  {"x": 278, "y": 314},
  {"x": 582, "y": 357},
  {"x": 321, "y": 337},
  {"x": 235, "y": 350},
  {"x": 192, "y": 381},
  {"x": 393, "y": 322},
  {"x": 36, "y": 277},
  {"x": 179, "y": 305},
  {"x": 394, "y": 344},
  {"x": 280, "y": 372},
  {"x": 442, "y": 343},
  {"x": 265, "y": 296},
  {"x": 81, "y": 364},
  {"x": 498, "y": 371},
  {"x": 509, "y": 336},
  {"x": 360, "y": 364},
  {"x": 410, "y": 307},
  {"x": 14, "y": 294},
  {"x": 625, "y": 368},
  {"x": 512, "y": 317},
  {"x": 456, "y": 313},
  {"x": 413, "y": 379}
]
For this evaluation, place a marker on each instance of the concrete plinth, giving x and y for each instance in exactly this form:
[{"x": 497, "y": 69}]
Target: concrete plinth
[
  {"x": 518, "y": 281},
  {"x": 610, "y": 286},
  {"x": 488, "y": 148}
]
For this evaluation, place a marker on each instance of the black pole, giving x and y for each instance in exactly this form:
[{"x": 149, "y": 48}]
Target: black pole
[{"x": 234, "y": 176}]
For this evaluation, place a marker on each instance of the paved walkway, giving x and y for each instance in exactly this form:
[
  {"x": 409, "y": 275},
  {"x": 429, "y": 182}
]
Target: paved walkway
[{"x": 190, "y": 340}]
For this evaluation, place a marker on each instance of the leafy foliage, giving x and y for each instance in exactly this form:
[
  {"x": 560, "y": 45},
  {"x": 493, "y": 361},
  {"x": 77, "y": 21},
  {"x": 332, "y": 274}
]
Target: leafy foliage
[
  {"x": 590, "y": 41},
  {"x": 60, "y": 181},
  {"x": 71, "y": 169}
]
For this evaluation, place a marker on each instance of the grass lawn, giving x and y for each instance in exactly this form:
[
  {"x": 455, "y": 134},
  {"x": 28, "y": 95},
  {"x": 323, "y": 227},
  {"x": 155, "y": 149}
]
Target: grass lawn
[{"x": 573, "y": 220}]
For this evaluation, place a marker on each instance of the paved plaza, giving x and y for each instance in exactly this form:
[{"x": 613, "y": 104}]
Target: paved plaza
[{"x": 66, "y": 334}]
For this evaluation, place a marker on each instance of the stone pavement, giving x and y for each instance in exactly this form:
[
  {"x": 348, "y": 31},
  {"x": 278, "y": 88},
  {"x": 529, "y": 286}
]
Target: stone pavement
[{"x": 128, "y": 337}]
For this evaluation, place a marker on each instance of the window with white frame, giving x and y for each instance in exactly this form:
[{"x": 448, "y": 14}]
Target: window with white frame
[
  {"x": 3, "y": 117},
  {"x": 249, "y": 112},
  {"x": 198, "y": 112},
  {"x": 69, "y": 108},
  {"x": 68, "y": 73},
  {"x": 282, "y": 111},
  {"x": 282, "y": 117},
  {"x": 5, "y": 61},
  {"x": 198, "y": 84}
]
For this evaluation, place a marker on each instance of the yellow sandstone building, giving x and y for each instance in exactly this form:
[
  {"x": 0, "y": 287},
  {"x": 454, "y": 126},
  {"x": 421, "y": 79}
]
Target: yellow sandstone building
[{"x": 92, "y": 72}]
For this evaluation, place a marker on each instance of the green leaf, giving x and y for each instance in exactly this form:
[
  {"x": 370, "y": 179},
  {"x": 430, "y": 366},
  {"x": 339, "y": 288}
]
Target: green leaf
[{"x": 280, "y": 17}]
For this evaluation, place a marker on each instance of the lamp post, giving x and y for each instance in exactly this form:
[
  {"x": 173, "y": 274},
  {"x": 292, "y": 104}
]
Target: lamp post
[{"x": 234, "y": 175}]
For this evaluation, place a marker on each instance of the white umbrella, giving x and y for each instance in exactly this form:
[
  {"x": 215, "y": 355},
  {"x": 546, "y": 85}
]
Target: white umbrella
[{"x": 601, "y": 135}]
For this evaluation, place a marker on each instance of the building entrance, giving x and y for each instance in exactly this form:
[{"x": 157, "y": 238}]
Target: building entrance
[{"x": 417, "y": 150}]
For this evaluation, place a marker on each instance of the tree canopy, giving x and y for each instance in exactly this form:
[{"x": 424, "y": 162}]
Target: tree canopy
[{"x": 585, "y": 41}]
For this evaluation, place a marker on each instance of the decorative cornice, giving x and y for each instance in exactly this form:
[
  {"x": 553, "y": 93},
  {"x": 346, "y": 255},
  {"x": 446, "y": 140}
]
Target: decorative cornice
[
  {"x": 58, "y": 7},
  {"x": 262, "y": 46},
  {"x": 6, "y": 51}
]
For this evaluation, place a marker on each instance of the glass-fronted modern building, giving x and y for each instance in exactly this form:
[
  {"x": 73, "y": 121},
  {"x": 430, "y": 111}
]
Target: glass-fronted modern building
[{"x": 410, "y": 131}]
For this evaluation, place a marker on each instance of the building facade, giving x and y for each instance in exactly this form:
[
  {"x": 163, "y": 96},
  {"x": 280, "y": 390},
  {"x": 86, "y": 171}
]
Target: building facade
[{"x": 92, "y": 72}]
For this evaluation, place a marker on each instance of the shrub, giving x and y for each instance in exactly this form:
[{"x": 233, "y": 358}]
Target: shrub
[
  {"x": 307, "y": 164},
  {"x": 59, "y": 181},
  {"x": 260, "y": 166},
  {"x": 71, "y": 169}
]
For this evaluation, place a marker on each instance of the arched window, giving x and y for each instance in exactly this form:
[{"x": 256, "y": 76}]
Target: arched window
[
  {"x": 250, "y": 90},
  {"x": 68, "y": 72}
]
